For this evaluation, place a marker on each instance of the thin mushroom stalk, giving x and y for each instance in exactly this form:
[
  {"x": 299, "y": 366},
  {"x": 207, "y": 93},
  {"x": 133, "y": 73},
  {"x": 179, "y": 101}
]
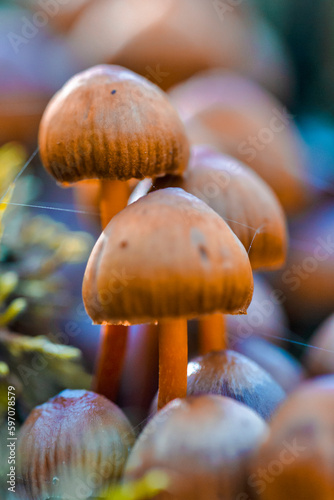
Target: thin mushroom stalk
[
  {"x": 173, "y": 360},
  {"x": 212, "y": 333}
]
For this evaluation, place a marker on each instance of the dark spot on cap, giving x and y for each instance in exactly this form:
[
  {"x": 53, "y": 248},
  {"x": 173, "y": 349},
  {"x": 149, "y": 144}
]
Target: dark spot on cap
[
  {"x": 203, "y": 252},
  {"x": 123, "y": 244},
  {"x": 113, "y": 92}
]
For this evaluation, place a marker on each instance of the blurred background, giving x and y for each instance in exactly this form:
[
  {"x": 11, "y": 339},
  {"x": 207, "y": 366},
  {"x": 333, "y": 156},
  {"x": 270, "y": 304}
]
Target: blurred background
[{"x": 285, "y": 46}]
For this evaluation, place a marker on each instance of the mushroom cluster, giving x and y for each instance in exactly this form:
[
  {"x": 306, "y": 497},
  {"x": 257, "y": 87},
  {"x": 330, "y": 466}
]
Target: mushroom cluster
[{"x": 176, "y": 254}]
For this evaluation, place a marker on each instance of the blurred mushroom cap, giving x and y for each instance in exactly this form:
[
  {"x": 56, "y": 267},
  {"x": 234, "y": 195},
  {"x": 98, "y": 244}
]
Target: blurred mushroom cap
[
  {"x": 245, "y": 121},
  {"x": 74, "y": 436},
  {"x": 298, "y": 456},
  {"x": 239, "y": 196},
  {"x": 166, "y": 40},
  {"x": 203, "y": 443},
  {"x": 167, "y": 255}
]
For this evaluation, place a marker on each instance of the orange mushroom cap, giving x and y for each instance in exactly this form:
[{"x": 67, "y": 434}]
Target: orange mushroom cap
[
  {"x": 166, "y": 256},
  {"x": 109, "y": 123},
  {"x": 237, "y": 194},
  {"x": 242, "y": 119}
]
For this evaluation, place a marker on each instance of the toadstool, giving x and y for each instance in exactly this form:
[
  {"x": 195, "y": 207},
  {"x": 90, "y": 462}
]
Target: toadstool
[{"x": 179, "y": 260}]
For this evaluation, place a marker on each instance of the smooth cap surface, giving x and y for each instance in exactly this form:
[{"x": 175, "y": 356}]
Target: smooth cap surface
[{"x": 168, "y": 255}]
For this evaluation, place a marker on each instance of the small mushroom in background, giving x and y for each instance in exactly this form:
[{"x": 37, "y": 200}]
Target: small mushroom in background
[
  {"x": 204, "y": 445},
  {"x": 245, "y": 202},
  {"x": 178, "y": 260},
  {"x": 297, "y": 459},
  {"x": 278, "y": 362},
  {"x": 170, "y": 41},
  {"x": 167, "y": 40},
  {"x": 245, "y": 121},
  {"x": 73, "y": 446},
  {"x": 319, "y": 356},
  {"x": 108, "y": 123}
]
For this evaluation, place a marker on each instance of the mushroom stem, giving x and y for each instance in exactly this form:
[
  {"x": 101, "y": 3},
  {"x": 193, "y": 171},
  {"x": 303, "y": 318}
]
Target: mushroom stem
[
  {"x": 212, "y": 333},
  {"x": 113, "y": 198},
  {"x": 110, "y": 361},
  {"x": 173, "y": 360}
]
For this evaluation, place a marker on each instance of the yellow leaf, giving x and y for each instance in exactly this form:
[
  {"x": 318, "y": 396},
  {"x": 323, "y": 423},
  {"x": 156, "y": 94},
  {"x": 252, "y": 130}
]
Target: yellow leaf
[
  {"x": 4, "y": 205},
  {"x": 12, "y": 157}
]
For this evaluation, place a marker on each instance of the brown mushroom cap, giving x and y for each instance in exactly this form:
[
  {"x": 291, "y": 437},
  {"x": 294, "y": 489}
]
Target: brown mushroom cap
[
  {"x": 243, "y": 120},
  {"x": 203, "y": 444},
  {"x": 237, "y": 194},
  {"x": 167, "y": 40},
  {"x": 297, "y": 460},
  {"x": 70, "y": 441},
  {"x": 109, "y": 123},
  {"x": 166, "y": 256}
]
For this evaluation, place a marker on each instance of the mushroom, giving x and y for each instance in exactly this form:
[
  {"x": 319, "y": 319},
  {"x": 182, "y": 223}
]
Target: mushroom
[
  {"x": 297, "y": 459},
  {"x": 178, "y": 260},
  {"x": 241, "y": 119},
  {"x": 247, "y": 204},
  {"x": 110, "y": 124},
  {"x": 72, "y": 446},
  {"x": 203, "y": 444}
]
